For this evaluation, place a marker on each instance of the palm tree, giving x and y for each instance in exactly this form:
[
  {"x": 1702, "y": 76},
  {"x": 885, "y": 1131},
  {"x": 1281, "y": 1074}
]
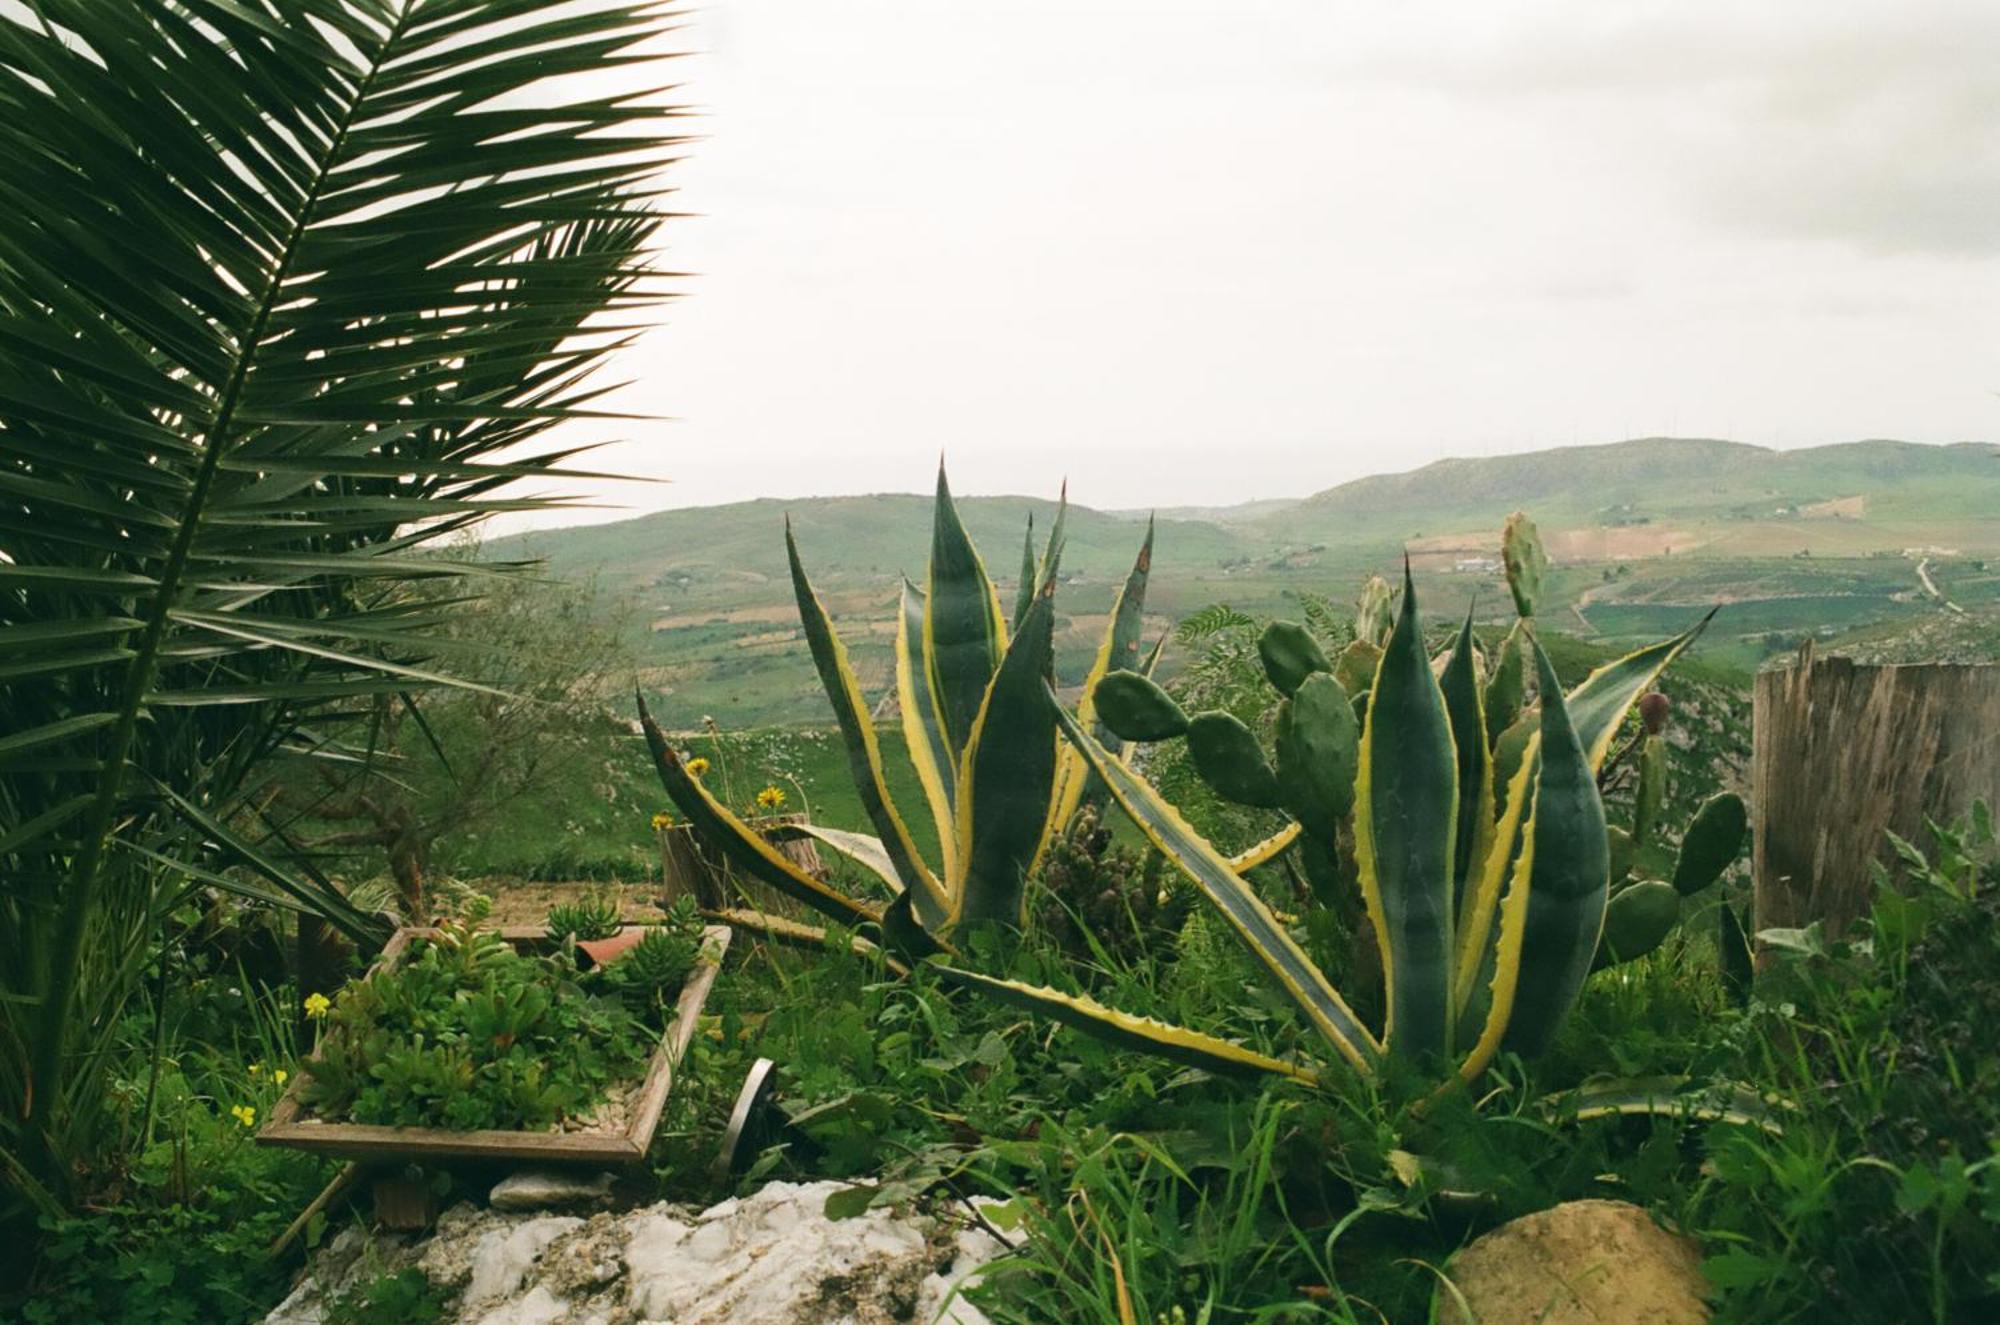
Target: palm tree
[{"x": 284, "y": 287}]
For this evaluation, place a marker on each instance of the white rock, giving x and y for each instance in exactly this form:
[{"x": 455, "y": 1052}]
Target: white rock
[
  {"x": 550, "y": 1189},
  {"x": 503, "y": 1257},
  {"x": 539, "y": 1307},
  {"x": 773, "y": 1258}
]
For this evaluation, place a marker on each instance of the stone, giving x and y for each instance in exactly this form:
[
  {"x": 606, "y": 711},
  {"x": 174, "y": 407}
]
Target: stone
[
  {"x": 503, "y": 1256},
  {"x": 1581, "y": 1263},
  {"x": 773, "y": 1258},
  {"x": 550, "y": 1189}
]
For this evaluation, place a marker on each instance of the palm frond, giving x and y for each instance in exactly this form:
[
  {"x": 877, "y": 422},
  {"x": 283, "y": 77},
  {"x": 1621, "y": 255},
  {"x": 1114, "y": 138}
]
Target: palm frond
[{"x": 286, "y": 286}]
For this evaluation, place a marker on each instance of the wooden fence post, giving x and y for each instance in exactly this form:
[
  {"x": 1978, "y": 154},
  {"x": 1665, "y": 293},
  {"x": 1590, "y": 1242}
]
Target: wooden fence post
[
  {"x": 688, "y": 866},
  {"x": 1843, "y": 751}
]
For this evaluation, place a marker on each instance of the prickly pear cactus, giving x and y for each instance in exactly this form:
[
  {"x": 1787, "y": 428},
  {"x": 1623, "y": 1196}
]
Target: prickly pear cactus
[
  {"x": 1642, "y": 914},
  {"x": 1135, "y": 708}
]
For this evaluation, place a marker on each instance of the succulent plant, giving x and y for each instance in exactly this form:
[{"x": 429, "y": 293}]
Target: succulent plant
[
  {"x": 973, "y": 696},
  {"x": 1643, "y": 912},
  {"x": 594, "y": 915},
  {"x": 1485, "y": 899}
]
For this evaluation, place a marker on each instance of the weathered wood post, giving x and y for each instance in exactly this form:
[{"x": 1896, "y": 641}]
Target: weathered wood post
[
  {"x": 690, "y": 866},
  {"x": 1843, "y": 751}
]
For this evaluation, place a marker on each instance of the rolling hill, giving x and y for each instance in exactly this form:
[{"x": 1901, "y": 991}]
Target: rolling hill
[{"x": 1646, "y": 534}]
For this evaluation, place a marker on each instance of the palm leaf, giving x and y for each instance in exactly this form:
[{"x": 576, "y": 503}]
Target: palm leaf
[{"x": 280, "y": 283}]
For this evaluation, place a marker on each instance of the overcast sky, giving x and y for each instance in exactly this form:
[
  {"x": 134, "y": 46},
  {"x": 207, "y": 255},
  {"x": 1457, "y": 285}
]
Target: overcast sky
[{"x": 1195, "y": 253}]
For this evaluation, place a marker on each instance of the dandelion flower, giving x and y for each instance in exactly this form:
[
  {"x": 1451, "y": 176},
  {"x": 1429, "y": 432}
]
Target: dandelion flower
[
  {"x": 771, "y": 798},
  {"x": 662, "y": 820},
  {"x": 697, "y": 766},
  {"x": 244, "y": 1115},
  {"x": 280, "y": 1075},
  {"x": 317, "y": 1005}
]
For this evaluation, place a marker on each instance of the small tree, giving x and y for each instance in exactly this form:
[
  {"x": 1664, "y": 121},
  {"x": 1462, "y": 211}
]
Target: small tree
[{"x": 450, "y": 763}]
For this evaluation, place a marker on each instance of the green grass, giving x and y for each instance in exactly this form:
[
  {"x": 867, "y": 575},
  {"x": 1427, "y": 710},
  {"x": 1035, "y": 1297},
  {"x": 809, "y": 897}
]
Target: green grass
[{"x": 602, "y": 829}]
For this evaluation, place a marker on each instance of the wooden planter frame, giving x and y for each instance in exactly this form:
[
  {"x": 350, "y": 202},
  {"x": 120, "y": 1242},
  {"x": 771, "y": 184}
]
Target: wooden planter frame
[{"x": 370, "y": 1142}]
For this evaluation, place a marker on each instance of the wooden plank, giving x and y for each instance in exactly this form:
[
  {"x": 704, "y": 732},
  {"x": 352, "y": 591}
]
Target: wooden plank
[
  {"x": 289, "y": 1126},
  {"x": 1843, "y": 753}
]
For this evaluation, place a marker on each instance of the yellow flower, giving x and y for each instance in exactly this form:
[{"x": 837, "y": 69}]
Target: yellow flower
[
  {"x": 317, "y": 1005},
  {"x": 279, "y": 1076},
  {"x": 256, "y": 1069},
  {"x": 244, "y": 1114},
  {"x": 697, "y": 766},
  {"x": 662, "y": 820},
  {"x": 771, "y": 798}
]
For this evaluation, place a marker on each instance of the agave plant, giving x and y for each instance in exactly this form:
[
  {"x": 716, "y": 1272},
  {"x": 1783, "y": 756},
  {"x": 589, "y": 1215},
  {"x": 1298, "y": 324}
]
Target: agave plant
[
  {"x": 1485, "y": 900},
  {"x": 973, "y": 698},
  {"x": 280, "y": 282}
]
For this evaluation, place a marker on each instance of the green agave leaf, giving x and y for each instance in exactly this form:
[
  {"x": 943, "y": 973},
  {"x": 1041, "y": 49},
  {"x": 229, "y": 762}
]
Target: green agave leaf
[
  {"x": 1266, "y": 851},
  {"x": 1008, "y": 777},
  {"x": 923, "y": 727},
  {"x": 963, "y": 636},
  {"x": 1463, "y": 705},
  {"x": 1405, "y": 831},
  {"x": 864, "y": 756},
  {"x": 1668, "y": 1097},
  {"x": 860, "y": 848},
  {"x": 1598, "y": 706},
  {"x": 1024, "y": 593},
  {"x": 743, "y": 845},
  {"x": 1570, "y": 880},
  {"x": 1260, "y": 932},
  {"x": 792, "y": 934},
  {"x": 1118, "y": 651},
  {"x": 1123, "y": 1030}
]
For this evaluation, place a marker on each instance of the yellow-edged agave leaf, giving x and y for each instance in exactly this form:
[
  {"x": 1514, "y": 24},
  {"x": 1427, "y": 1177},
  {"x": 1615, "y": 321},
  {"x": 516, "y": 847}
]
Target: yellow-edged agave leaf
[
  {"x": 743, "y": 845},
  {"x": 1570, "y": 881},
  {"x": 1405, "y": 815},
  {"x": 1024, "y": 592},
  {"x": 1118, "y": 651},
  {"x": 1266, "y": 851},
  {"x": 860, "y": 848},
  {"x": 1144, "y": 1034},
  {"x": 1058, "y": 539},
  {"x": 1499, "y": 963},
  {"x": 857, "y": 730},
  {"x": 1007, "y": 777},
  {"x": 1597, "y": 707},
  {"x": 963, "y": 634},
  {"x": 779, "y": 929},
  {"x": 1668, "y": 1097},
  {"x": 923, "y": 733},
  {"x": 1463, "y": 705},
  {"x": 1508, "y": 842},
  {"x": 1599, "y": 704},
  {"x": 1260, "y": 931}
]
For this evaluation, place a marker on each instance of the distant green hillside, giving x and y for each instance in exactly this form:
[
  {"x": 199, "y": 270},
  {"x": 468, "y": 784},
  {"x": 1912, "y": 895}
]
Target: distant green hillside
[
  {"x": 1655, "y": 479},
  {"x": 1646, "y": 535}
]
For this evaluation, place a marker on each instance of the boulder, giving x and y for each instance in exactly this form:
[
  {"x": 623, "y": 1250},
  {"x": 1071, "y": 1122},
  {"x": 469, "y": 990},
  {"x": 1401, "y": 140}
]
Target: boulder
[
  {"x": 773, "y": 1257},
  {"x": 1581, "y": 1263}
]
